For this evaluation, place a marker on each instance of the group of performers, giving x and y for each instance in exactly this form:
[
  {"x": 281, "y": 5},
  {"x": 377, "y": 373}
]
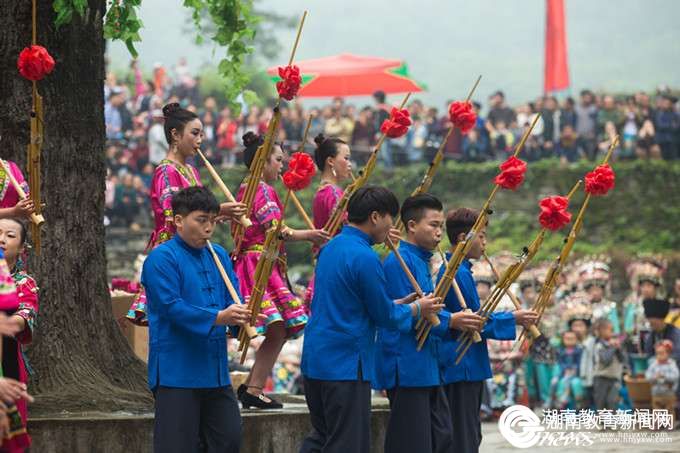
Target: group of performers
[{"x": 358, "y": 317}]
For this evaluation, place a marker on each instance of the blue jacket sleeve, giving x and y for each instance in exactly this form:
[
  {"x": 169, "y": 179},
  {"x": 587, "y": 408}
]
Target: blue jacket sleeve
[
  {"x": 381, "y": 308},
  {"x": 161, "y": 280},
  {"x": 500, "y": 326},
  {"x": 442, "y": 330}
]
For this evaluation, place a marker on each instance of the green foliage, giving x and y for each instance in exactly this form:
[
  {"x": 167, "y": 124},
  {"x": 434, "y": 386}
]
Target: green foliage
[
  {"x": 122, "y": 24},
  {"x": 234, "y": 30},
  {"x": 639, "y": 216},
  {"x": 65, "y": 10}
]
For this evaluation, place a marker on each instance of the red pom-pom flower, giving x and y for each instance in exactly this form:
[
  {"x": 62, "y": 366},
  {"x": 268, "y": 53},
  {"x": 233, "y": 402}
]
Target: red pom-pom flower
[
  {"x": 601, "y": 180},
  {"x": 397, "y": 124},
  {"x": 462, "y": 116},
  {"x": 290, "y": 82},
  {"x": 301, "y": 170},
  {"x": 554, "y": 214},
  {"x": 35, "y": 63},
  {"x": 512, "y": 173}
]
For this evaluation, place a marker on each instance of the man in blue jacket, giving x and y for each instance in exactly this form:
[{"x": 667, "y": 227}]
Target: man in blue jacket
[
  {"x": 189, "y": 307},
  {"x": 420, "y": 419},
  {"x": 350, "y": 300},
  {"x": 463, "y": 383}
]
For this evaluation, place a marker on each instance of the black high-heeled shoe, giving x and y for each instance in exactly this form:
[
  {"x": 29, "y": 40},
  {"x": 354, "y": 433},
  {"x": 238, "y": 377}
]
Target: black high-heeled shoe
[{"x": 247, "y": 401}]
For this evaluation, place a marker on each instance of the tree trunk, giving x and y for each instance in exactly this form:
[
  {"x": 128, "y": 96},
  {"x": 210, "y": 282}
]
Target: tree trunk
[{"x": 80, "y": 358}]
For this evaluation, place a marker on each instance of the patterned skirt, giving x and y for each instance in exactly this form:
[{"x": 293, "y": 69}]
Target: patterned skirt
[{"x": 278, "y": 302}]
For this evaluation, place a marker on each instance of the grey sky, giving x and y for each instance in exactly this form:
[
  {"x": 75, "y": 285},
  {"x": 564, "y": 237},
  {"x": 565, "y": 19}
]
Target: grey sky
[{"x": 615, "y": 44}]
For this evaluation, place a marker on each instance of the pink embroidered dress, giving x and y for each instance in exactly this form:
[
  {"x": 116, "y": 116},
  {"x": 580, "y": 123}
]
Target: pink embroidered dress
[
  {"x": 18, "y": 296},
  {"x": 278, "y": 302},
  {"x": 168, "y": 179},
  {"x": 325, "y": 200},
  {"x": 8, "y": 194}
]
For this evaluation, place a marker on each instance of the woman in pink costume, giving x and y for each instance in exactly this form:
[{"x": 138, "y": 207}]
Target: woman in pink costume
[
  {"x": 19, "y": 299},
  {"x": 332, "y": 157},
  {"x": 285, "y": 313},
  {"x": 184, "y": 133}
]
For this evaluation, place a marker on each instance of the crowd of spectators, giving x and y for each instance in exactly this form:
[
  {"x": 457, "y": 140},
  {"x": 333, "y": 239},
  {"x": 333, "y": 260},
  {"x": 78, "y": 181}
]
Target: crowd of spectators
[{"x": 570, "y": 129}]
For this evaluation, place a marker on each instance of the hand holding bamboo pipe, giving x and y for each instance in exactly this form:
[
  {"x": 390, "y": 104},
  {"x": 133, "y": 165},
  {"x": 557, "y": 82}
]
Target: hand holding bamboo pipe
[
  {"x": 433, "y": 319},
  {"x": 230, "y": 287},
  {"x": 37, "y": 219},
  {"x": 533, "y": 330}
]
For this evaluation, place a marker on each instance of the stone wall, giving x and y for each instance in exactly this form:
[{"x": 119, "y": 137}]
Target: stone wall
[{"x": 280, "y": 431}]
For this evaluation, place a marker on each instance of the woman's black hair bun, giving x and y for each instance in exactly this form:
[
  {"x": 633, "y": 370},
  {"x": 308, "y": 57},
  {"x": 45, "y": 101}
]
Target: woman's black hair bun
[
  {"x": 319, "y": 139},
  {"x": 170, "y": 109}
]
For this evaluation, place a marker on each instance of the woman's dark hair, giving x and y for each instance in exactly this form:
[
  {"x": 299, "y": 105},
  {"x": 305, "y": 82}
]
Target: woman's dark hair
[
  {"x": 459, "y": 221},
  {"x": 325, "y": 147},
  {"x": 370, "y": 199},
  {"x": 251, "y": 141},
  {"x": 176, "y": 118},
  {"x": 193, "y": 199},
  {"x": 414, "y": 207}
]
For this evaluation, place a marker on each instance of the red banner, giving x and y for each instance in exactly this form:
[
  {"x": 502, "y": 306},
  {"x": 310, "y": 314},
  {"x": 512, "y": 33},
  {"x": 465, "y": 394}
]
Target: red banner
[{"x": 556, "y": 73}]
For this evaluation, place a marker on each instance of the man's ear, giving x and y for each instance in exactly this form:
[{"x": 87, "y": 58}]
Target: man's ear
[
  {"x": 374, "y": 217},
  {"x": 410, "y": 224},
  {"x": 461, "y": 237},
  {"x": 177, "y": 220}
]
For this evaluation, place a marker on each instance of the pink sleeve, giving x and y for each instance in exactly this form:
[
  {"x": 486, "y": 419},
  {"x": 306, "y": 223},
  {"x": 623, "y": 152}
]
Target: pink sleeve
[
  {"x": 8, "y": 291},
  {"x": 28, "y": 307},
  {"x": 266, "y": 206},
  {"x": 16, "y": 172}
]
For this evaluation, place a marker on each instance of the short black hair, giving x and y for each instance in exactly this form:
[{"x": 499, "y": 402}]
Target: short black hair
[
  {"x": 459, "y": 221},
  {"x": 193, "y": 199},
  {"x": 379, "y": 96},
  {"x": 370, "y": 199},
  {"x": 414, "y": 207}
]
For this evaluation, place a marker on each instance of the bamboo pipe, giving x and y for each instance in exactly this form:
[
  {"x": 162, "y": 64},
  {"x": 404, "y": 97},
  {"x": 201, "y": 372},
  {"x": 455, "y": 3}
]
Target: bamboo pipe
[
  {"x": 433, "y": 319},
  {"x": 243, "y": 220},
  {"x": 533, "y": 330},
  {"x": 335, "y": 219},
  {"x": 37, "y": 219},
  {"x": 230, "y": 286},
  {"x": 425, "y": 184}
]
